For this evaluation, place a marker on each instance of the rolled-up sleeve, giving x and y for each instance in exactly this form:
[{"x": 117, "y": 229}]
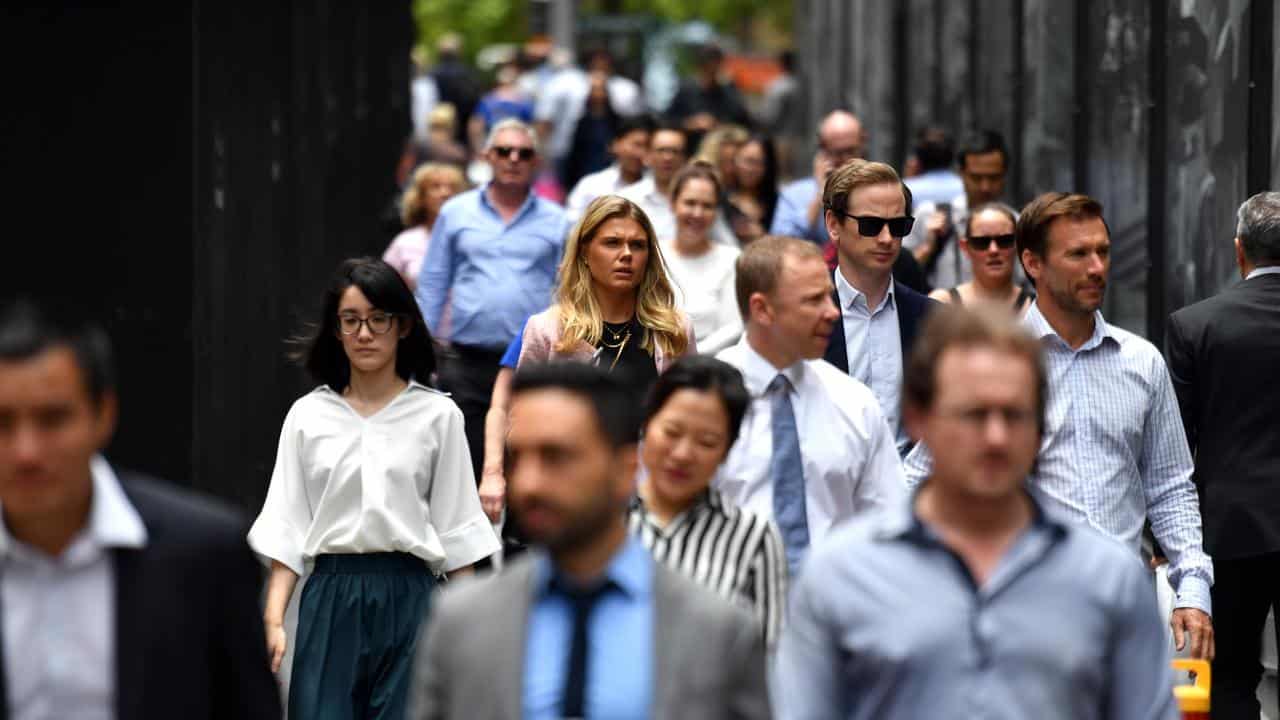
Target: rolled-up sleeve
[
  {"x": 279, "y": 533},
  {"x": 917, "y": 465},
  {"x": 453, "y": 502}
]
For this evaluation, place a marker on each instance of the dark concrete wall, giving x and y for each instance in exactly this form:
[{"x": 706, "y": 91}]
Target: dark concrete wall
[{"x": 1148, "y": 109}]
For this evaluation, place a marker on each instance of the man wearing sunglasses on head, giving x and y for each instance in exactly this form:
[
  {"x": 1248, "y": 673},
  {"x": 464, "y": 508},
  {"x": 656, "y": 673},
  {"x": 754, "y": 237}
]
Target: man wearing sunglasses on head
[
  {"x": 867, "y": 214},
  {"x": 987, "y": 243},
  {"x": 492, "y": 258}
]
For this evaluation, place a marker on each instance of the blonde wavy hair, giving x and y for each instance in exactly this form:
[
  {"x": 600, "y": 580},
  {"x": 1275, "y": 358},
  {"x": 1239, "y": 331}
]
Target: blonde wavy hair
[
  {"x": 579, "y": 312},
  {"x": 413, "y": 205}
]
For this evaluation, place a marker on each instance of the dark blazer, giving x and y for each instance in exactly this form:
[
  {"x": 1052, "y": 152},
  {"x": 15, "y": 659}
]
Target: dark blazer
[
  {"x": 189, "y": 636},
  {"x": 1224, "y": 357},
  {"x": 912, "y": 308}
]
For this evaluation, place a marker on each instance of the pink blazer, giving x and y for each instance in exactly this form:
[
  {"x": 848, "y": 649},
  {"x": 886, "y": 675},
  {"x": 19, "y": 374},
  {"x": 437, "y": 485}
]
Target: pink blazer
[{"x": 543, "y": 332}]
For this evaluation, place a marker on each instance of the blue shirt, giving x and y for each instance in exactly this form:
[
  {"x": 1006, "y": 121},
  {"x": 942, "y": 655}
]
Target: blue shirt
[
  {"x": 494, "y": 274},
  {"x": 873, "y": 345},
  {"x": 887, "y": 623},
  {"x": 1114, "y": 453},
  {"x": 791, "y": 218},
  {"x": 511, "y": 358},
  {"x": 620, "y": 652},
  {"x": 935, "y": 186}
]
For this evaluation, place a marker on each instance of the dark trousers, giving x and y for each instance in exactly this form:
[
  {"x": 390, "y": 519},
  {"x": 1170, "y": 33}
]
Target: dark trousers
[
  {"x": 1243, "y": 590},
  {"x": 468, "y": 373},
  {"x": 357, "y": 626}
]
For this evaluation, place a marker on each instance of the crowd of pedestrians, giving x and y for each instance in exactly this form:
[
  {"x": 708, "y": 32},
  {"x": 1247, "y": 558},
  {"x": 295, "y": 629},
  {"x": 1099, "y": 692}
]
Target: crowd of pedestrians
[{"x": 694, "y": 442}]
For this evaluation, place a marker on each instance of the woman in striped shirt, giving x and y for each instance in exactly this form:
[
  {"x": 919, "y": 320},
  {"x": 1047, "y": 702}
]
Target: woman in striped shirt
[{"x": 694, "y": 412}]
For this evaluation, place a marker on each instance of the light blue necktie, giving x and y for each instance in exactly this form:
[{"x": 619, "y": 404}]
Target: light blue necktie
[{"x": 786, "y": 469}]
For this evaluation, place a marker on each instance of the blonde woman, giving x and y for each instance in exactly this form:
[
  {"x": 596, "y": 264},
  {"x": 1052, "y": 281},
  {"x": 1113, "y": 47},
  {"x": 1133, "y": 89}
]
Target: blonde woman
[
  {"x": 432, "y": 185},
  {"x": 719, "y": 148},
  {"x": 614, "y": 306}
]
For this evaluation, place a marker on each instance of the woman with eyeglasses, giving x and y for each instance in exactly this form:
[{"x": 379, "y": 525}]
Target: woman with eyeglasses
[
  {"x": 372, "y": 494},
  {"x": 614, "y": 307},
  {"x": 692, "y": 418},
  {"x": 988, "y": 242}
]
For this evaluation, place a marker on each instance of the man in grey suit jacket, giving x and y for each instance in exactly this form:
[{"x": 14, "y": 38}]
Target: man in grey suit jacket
[{"x": 586, "y": 625}]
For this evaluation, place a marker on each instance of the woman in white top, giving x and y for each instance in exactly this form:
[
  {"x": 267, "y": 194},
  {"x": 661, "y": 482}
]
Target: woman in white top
[
  {"x": 432, "y": 185},
  {"x": 373, "y": 493},
  {"x": 703, "y": 270}
]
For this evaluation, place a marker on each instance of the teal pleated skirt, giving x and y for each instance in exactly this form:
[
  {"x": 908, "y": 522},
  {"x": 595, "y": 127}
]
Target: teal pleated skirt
[{"x": 358, "y": 623}]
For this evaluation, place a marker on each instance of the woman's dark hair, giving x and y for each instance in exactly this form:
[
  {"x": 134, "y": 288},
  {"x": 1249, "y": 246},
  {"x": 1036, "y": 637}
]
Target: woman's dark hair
[
  {"x": 767, "y": 193},
  {"x": 381, "y": 284},
  {"x": 701, "y": 372}
]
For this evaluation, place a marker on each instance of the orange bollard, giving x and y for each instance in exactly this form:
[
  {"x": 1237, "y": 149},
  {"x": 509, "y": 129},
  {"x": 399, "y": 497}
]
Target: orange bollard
[{"x": 1193, "y": 700}]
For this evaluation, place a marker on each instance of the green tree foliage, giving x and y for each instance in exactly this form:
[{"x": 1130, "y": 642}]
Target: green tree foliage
[{"x": 479, "y": 22}]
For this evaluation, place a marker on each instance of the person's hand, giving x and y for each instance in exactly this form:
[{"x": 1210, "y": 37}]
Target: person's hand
[
  {"x": 936, "y": 225},
  {"x": 276, "y": 642},
  {"x": 1196, "y": 625},
  {"x": 821, "y": 169},
  {"x": 493, "y": 493}
]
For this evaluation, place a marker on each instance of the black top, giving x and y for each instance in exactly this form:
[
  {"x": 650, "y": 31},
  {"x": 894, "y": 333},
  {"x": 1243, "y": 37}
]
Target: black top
[
  {"x": 621, "y": 350},
  {"x": 1024, "y": 296}
]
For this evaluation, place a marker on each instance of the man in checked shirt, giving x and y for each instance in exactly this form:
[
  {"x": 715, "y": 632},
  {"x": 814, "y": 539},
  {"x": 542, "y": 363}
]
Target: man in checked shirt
[{"x": 1114, "y": 453}]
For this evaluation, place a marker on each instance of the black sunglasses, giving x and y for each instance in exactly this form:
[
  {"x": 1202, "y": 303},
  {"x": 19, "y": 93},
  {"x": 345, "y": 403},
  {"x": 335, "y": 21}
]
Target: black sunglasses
[
  {"x": 982, "y": 242},
  {"x": 870, "y": 226},
  {"x": 522, "y": 153}
]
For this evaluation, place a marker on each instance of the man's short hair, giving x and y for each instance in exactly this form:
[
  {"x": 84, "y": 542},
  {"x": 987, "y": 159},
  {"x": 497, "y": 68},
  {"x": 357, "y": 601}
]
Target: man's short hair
[
  {"x": 760, "y": 265},
  {"x": 934, "y": 149},
  {"x": 28, "y": 329},
  {"x": 959, "y": 326},
  {"x": 671, "y": 126},
  {"x": 981, "y": 142},
  {"x": 512, "y": 124},
  {"x": 635, "y": 123},
  {"x": 1258, "y": 228},
  {"x": 1032, "y": 230},
  {"x": 858, "y": 173},
  {"x": 617, "y": 409}
]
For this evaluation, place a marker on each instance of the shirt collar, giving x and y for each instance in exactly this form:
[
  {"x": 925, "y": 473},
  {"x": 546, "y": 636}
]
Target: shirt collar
[
  {"x": 113, "y": 521},
  {"x": 526, "y": 206},
  {"x": 904, "y": 523},
  {"x": 1039, "y": 326},
  {"x": 759, "y": 372},
  {"x": 631, "y": 569},
  {"x": 1259, "y": 272},
  {"x": 849, "y": 295}
]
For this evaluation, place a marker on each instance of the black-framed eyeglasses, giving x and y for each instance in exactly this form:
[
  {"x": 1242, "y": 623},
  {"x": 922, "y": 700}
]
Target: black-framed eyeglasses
[
  {"x": 870, "y": 225},
  {"x": 379, "y": 323},
  {"x": 522, "y": 153},
  {"x": 982, "y": 242}
]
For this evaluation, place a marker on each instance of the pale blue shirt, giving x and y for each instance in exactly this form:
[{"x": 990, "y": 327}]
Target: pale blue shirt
[
  {"x": 873, "y": 341},
  {"x": 1114, "y": 453},
  {"x": 494, "y": 274},
  {"x": 887, "y": 623},
  {"x": 620, "y": 652},
  {"x": 935, "y": 186},
  {"x": 791, "y": 218},
  {"x": 59, "y": 612}
]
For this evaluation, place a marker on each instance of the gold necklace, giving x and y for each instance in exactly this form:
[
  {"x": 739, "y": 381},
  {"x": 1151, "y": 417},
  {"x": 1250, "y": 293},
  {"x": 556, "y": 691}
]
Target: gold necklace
[{"x": 618, "y": 355}]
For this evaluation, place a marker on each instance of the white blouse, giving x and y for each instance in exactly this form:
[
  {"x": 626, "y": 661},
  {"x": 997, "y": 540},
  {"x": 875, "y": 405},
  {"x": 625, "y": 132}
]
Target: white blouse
[
  {"x": 705, "y": 292},
  {"x": 399, "y": 480}
]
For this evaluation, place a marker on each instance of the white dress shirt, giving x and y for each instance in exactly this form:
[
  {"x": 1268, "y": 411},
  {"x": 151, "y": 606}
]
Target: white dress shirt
[
  {"x": 705, "y": 292},
  {"x": 850, "y": 462},
  {"x": 873, "y": 343},
  {"x": 598, "y": 184},
  {"x": 1265, "y": 270},
  {"x": 399, "y": 480},
  {"x": 59, "y": 612},
  {"x": 663, "y": 218}
]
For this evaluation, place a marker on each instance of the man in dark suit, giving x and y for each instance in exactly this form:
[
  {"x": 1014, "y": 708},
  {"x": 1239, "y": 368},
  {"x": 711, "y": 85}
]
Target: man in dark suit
[
  {"x": 1224, "y": 356},
  {"x": 587, "y": 624},
  {"x": 866, "y": 214},
  {"x": 120, "y": 596}
]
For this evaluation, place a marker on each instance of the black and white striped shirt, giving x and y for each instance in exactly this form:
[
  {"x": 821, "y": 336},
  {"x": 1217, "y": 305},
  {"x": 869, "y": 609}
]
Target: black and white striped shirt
[{"x": 734, "y": 552}]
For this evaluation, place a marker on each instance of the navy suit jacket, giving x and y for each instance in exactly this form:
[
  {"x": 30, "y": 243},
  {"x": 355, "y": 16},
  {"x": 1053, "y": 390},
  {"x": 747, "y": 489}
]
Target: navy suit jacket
[{"x": 912, "y": 308}]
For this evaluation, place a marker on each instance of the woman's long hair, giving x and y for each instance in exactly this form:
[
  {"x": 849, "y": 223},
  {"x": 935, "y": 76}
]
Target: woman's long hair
[
  {"x": 579, "y": 312},
  {"x": 767, "y": 193}
]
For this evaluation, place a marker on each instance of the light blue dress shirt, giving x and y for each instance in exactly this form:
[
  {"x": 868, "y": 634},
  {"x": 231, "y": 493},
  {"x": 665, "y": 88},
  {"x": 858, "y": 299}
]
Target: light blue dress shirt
[
  {"x": 1114, "y": 453},
  {"x": 620, "y": 655},
  {"x": 493, "y": 274},
  {"x": 887, "y": 623},
  {"x": 873, "y": 341},
  {"x": 935, "y": 186},
  {"x": 791, "y": 217}
]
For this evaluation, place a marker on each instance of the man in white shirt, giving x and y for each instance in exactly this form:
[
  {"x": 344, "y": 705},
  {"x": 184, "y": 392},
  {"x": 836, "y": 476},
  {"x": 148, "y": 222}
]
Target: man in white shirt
[
  {"x": 668, "y": 151},
  {"x": 629, "y": 147},
  {"x": 848, "y": 463},
  {"x": 867, "y": 214}
]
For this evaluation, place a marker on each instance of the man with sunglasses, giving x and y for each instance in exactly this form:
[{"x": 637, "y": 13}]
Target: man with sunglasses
[
  {"x": 866, "y": 217},
  {"x": 492, "y": 259}
]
